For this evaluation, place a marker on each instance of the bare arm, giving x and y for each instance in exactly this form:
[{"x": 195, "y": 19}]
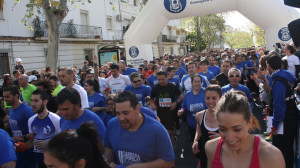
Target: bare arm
[
  {"x": 198, "y": 134},
  {"x": 109, "y": 154},
  {"x": 159, "y": 163},
  {"x": 11, "y": 164}
]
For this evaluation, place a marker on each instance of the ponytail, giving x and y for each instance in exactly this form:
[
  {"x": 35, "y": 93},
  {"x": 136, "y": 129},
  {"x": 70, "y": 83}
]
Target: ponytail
[{"x": 255, "y": 123}]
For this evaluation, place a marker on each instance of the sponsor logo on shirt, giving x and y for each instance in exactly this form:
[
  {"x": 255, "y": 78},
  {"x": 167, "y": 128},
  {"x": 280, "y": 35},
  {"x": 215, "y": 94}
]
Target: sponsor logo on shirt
[{"x": 128, "y": 158}]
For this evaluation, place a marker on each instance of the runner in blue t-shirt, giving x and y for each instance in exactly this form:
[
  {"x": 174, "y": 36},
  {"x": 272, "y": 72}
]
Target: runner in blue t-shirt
[
  {"x": 193, "y": 102},
  {"x": 19, "y": 114},
  {"x": 179, "y": 70},
  {"x": 142, "y": 92},
  {"x": 126, "y": 70},
  {"x": 43, "y": 125},
  {"x": 171, "y": 78},
  {"x": 73, "y": 115},
  {"x": 205, "y": 72},
  {"x": 97, "y": 101},
  {"x": 152, "y": 79},
  {"x": 212, "y": 67},
  {"x": 234, "y": 77},
  {"x": 7, "y": 150},
  {"x": 136, "y": 139}
]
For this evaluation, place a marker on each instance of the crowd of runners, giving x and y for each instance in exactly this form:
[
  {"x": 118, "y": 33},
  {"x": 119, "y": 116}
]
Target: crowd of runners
[{"x": 114, "y": 115}]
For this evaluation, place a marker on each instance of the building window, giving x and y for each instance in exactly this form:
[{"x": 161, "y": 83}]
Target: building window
[
  {"x": 4, "y": 64},
  {"x": 1, "y": 9},
  {"x": 135, "y": 2},
  {"x": 172, "y": 50},
  {"x": 109, "y": 23},
  {"x": 88, "y": 54}
]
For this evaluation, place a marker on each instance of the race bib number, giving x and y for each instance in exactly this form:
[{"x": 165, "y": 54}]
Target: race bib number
[
  {"x": 117, "y": 91},
  {"x": 165, "y": 102}
]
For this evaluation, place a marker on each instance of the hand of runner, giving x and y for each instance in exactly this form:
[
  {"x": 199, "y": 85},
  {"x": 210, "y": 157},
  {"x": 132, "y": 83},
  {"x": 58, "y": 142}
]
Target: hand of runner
[
  {"x": 180, "y": 112},
  {"x": 40, "y": 144},
  {"x": 153, "y": 107},
  {"x": 195, "y": 148},
  {"x": 213, "y": 135},
  {"x": 173, "y": 106}
]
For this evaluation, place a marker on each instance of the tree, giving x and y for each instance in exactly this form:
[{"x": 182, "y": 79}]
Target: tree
[
  {"x": 238, "y": 39},
  {"x": 259, "y": 35},
  {"x": 55, "y": 11},
  {"x": 206, "y": 29}
]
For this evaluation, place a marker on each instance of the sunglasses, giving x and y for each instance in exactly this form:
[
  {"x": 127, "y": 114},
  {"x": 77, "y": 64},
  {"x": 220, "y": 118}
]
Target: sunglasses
[
  {"x": 231, "y": 76},
  {"x": 136, "y": 81}
]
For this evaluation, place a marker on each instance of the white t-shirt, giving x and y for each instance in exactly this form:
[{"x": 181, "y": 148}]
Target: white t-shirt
[
  {"x": 83, "y": 96},
  {"x": 101, "y": 84},
  {"x": 117, "y": 85},
  {"x": 292, "y": 61}
]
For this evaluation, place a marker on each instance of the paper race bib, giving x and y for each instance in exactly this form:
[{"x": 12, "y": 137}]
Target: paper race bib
[{"x": 165, "y": 102}]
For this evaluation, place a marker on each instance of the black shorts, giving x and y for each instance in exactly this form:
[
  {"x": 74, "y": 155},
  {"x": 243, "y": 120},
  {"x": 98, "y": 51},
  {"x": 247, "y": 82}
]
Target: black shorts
[{"x": 167, "y": 119}]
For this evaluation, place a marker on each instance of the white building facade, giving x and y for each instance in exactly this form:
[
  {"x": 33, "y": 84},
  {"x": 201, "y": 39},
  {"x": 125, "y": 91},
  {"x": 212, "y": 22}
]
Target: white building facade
[{"x": 89, "y": 29}]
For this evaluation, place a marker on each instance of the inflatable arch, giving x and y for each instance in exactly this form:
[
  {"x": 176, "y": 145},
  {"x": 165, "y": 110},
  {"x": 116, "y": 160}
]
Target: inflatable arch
[{"x": 271, "y": 15}]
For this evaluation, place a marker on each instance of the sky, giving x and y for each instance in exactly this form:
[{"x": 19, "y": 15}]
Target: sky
[{"x": 238, "y": 21}]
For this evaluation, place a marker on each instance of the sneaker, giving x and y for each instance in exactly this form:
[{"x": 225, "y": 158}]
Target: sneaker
[
  {"x": 269, "y": 138},
  {"x": 266, "y": 134}
]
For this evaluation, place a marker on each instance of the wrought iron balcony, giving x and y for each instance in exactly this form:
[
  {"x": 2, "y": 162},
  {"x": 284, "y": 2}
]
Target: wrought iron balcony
[
  {"x": 70, "y": 30},
  {"x": 166, "y": 38}
]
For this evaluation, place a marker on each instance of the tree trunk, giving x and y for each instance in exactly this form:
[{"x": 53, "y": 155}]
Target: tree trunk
[
  {"x": 53, "y": 43},
  {"x": 159, "y": 45}
]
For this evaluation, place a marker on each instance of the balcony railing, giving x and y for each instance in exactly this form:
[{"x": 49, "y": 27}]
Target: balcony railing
[
  {"x": 69, "y": 30},
  {"x": 166, "y": 38}
]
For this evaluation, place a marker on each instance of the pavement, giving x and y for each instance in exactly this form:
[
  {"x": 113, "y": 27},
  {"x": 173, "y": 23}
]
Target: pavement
[{"x": 184, "y": 157}]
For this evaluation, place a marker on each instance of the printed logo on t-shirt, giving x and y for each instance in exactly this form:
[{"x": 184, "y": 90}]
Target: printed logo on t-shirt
[
  {"x": 14, "y": 127},
  {"x": 155, "y": 82},
  {"x": 128, "y": 158},
  {"x": 195, "y": 108}
]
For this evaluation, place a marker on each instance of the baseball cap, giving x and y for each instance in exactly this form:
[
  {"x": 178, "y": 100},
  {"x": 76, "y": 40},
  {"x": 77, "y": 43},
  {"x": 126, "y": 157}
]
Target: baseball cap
[
  {"x": 32, "y": 78},
  {"x": 18, "y": 60}
]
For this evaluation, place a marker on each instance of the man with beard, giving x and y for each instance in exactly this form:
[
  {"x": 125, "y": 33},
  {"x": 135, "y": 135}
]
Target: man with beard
[
  {"x": 19, "y": 113},
  {"x": 73, "y": 115},
  {"x": 137, "y": 139},
  {"x": 43, "y": 125},
  {"x": 66, "y": 77}
]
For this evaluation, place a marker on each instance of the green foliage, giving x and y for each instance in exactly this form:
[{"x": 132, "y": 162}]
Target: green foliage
[
  {"x": 259, "y": 35},
  {"x": 195, "y": 42},
  {"x": 205, "y": 30},
  {"x": 238, "y": 39}
]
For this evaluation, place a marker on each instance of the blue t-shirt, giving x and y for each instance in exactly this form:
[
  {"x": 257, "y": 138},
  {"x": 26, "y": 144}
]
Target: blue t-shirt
[
  {"x": 209, "y": 75},
  {"x": 152, "y": 80},
  {"x": 18, "y": 119},
  {"x": 106, "y": 117},
  {"x": 215, "y": 69},
  {"x": 97, "y": 100},
  {"x": 240, "y": 87},
  {"x": 192, "y": 105},
  {"x": 179, "y": 73},
  {"x": 241, "y": 67},
  {"x": 150, "y": 142},
  {"x": 45, "y": 128},
  {"x": 175, "y": 82},
  {"x": 86, "y": 116},
  {"x": 148, "y": 112},
  {"x": 186, "y": 82},
  {"x": 7, "y": 148},
  {"x": 141, "y": 93},
  {"x": 128, "y": 71}
]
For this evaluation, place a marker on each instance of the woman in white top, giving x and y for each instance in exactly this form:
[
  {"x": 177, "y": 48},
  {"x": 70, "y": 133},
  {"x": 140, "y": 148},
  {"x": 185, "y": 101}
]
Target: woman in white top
[{"x": 293, "y": 60}]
